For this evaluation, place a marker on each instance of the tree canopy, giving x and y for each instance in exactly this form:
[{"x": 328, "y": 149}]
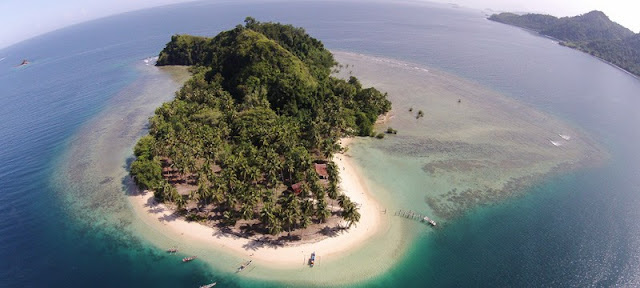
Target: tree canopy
[{"x": 260, "y": 110}]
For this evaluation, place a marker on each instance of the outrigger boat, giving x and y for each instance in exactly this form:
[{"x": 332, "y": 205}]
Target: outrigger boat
[
  {"x": 243, "y": 266},
  {"x": 172, "y": 250},
  {"x": 312, "y": 260},
  {"x": 426, "y": 219},
  {"x": 209, "y": 285},
  {"x": 190, "y": 258}
]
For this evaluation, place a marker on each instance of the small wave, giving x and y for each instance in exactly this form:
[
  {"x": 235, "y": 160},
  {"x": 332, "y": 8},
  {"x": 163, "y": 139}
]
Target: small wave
[
  {"x": 2, "y": 58},
  {"x": 150, "y": 60},
  {"x": 565, "y": 137},
  {"x": 394, "y": 62},
  {"x": 556, "y": 143}
]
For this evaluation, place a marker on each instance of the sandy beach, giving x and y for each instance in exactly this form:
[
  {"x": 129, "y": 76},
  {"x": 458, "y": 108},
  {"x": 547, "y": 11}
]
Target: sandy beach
[{"x": 162, "y": 219}]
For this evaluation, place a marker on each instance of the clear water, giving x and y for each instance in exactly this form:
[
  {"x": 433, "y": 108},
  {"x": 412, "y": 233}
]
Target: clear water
[{"x": 577, "y": 228}]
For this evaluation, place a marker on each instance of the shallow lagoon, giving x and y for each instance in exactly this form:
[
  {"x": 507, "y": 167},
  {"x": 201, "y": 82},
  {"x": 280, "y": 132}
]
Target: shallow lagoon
[{"x": 481, "y": 150}]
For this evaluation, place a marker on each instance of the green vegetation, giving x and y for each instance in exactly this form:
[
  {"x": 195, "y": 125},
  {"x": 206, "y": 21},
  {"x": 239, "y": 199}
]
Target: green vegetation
[
  {"x": 592, "y": 33},
  {"x": 420, "y": 114},
  {"x": 391, "y": 131},
  {"x": 243, "y": 138}
]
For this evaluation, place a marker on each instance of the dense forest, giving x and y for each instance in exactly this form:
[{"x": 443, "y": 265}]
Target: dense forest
[
  {"x": 593, "y": 33},
  {"x": 250, "y": 137}
]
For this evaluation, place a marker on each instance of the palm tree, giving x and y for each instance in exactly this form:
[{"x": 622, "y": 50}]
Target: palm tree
[
  {"x": 332, "y": 190},
  {"x": 205, "y": 193},
  {"x": 290, "y": 211},
  {"x": 246, "y": 211},
  {"x": 350, "y": 214},
  {"x": 306, "y": 206},
  {"x": 321, "y": 210},
  {"x": 275, "y": 226},
  {"x": 343, "y": 201},
  {"x": 332, "y": 170},
  {"x": 266, "y": 213},
  {"x": 305, "y": 221},
  {"x": 229, "y": 218}
]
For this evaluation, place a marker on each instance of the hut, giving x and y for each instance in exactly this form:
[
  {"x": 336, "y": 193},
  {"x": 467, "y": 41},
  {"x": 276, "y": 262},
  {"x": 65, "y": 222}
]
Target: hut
[
  {"x": 296, "y": 188},
  {"x": 321, "y": 169}
]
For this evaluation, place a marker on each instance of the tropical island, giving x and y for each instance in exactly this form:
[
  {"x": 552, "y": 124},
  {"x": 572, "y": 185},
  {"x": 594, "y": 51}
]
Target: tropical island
[
  {"x": 248, "y": 143},
  {"x": 592, "y": 33}
]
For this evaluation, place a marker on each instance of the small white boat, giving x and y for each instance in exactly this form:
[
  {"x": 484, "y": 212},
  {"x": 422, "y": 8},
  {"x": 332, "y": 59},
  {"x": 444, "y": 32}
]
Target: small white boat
[
  {"x": 190, "y": 258},
  {"x": 426, "y": 219},
  {"x": 209, "y": 285}
]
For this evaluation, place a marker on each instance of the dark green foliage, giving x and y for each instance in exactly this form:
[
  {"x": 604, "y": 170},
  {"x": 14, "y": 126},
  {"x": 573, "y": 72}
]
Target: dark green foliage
[
  {"x": 295, "y": 39},
  {"x": 380, "y": 135},
  {"x": 258, "y": 71},
  {"x": 184, "y": 50},
  {"x": 592, "y": 33},
  {"x": 144, "y": 148},
  {"x": 594, "y": 25},
  {"x": 536, "y": 22},
  {"x": 391, "y": 131},
  {"x": 146, "y": 173},
  {"x": 364, "y": 124},
  {"x": 261, "y": 99}
]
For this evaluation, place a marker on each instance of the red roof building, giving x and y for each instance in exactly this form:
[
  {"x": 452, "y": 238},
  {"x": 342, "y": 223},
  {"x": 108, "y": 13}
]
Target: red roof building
[
  {"x": 297, "y": 188},
  {"x": 321, "y": 169}
]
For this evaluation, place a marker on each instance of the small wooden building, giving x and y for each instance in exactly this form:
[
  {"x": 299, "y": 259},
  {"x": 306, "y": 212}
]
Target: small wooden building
[
  {"x": 296, "y": 188},
  {"x": 321, "y": 169}
]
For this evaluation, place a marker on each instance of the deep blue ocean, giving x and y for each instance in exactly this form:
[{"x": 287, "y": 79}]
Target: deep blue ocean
[{"x": 575, "y": 230}]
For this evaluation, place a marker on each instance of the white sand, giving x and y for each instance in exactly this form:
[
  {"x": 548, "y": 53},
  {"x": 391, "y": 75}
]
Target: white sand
[{"x": 163, "y": 220}]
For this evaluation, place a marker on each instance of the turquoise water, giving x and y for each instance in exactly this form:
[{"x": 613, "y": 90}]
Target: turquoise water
[{"x": 579, "y": 228}]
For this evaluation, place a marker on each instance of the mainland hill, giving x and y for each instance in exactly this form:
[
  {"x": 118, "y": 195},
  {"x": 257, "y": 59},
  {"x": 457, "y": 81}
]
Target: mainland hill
[
  {"x": 247, "y": 143},
  {"x": 593, "y": 33}
]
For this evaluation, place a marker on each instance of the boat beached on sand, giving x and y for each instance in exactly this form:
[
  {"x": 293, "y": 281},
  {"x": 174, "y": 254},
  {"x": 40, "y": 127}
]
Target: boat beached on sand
[{"x": 312, "y": 260}]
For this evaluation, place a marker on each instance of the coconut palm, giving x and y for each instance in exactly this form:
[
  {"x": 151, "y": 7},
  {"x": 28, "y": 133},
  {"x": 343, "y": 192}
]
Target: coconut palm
[{"x": 350, "y": 214}]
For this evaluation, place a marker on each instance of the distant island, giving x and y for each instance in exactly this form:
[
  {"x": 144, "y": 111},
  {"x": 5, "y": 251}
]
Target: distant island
[
  {"x": 593, "y": 33},
  {"x": 247, "y": 144}
]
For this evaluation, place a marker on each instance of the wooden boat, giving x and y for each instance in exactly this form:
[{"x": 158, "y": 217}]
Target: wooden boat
[
  {"x": 312, "y": 260},
  {"x": 243, "y": 266},
  {"x": 190, "y": 258},
  {"x": 209, "y": 285}
]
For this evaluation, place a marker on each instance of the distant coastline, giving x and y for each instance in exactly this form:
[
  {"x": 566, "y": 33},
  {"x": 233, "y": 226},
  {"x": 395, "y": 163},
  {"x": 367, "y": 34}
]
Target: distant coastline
[{"x": 592, "y": 33}]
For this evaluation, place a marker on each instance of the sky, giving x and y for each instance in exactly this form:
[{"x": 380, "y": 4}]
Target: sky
[{"x": 24, "y": 19}]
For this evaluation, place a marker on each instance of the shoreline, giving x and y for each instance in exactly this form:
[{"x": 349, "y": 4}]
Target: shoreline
[{"x": 164, "y": 220}]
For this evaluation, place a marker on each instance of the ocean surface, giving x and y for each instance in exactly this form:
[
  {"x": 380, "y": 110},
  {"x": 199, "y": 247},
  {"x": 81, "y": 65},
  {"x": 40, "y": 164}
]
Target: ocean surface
[{"x": 72, "y": 115}]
